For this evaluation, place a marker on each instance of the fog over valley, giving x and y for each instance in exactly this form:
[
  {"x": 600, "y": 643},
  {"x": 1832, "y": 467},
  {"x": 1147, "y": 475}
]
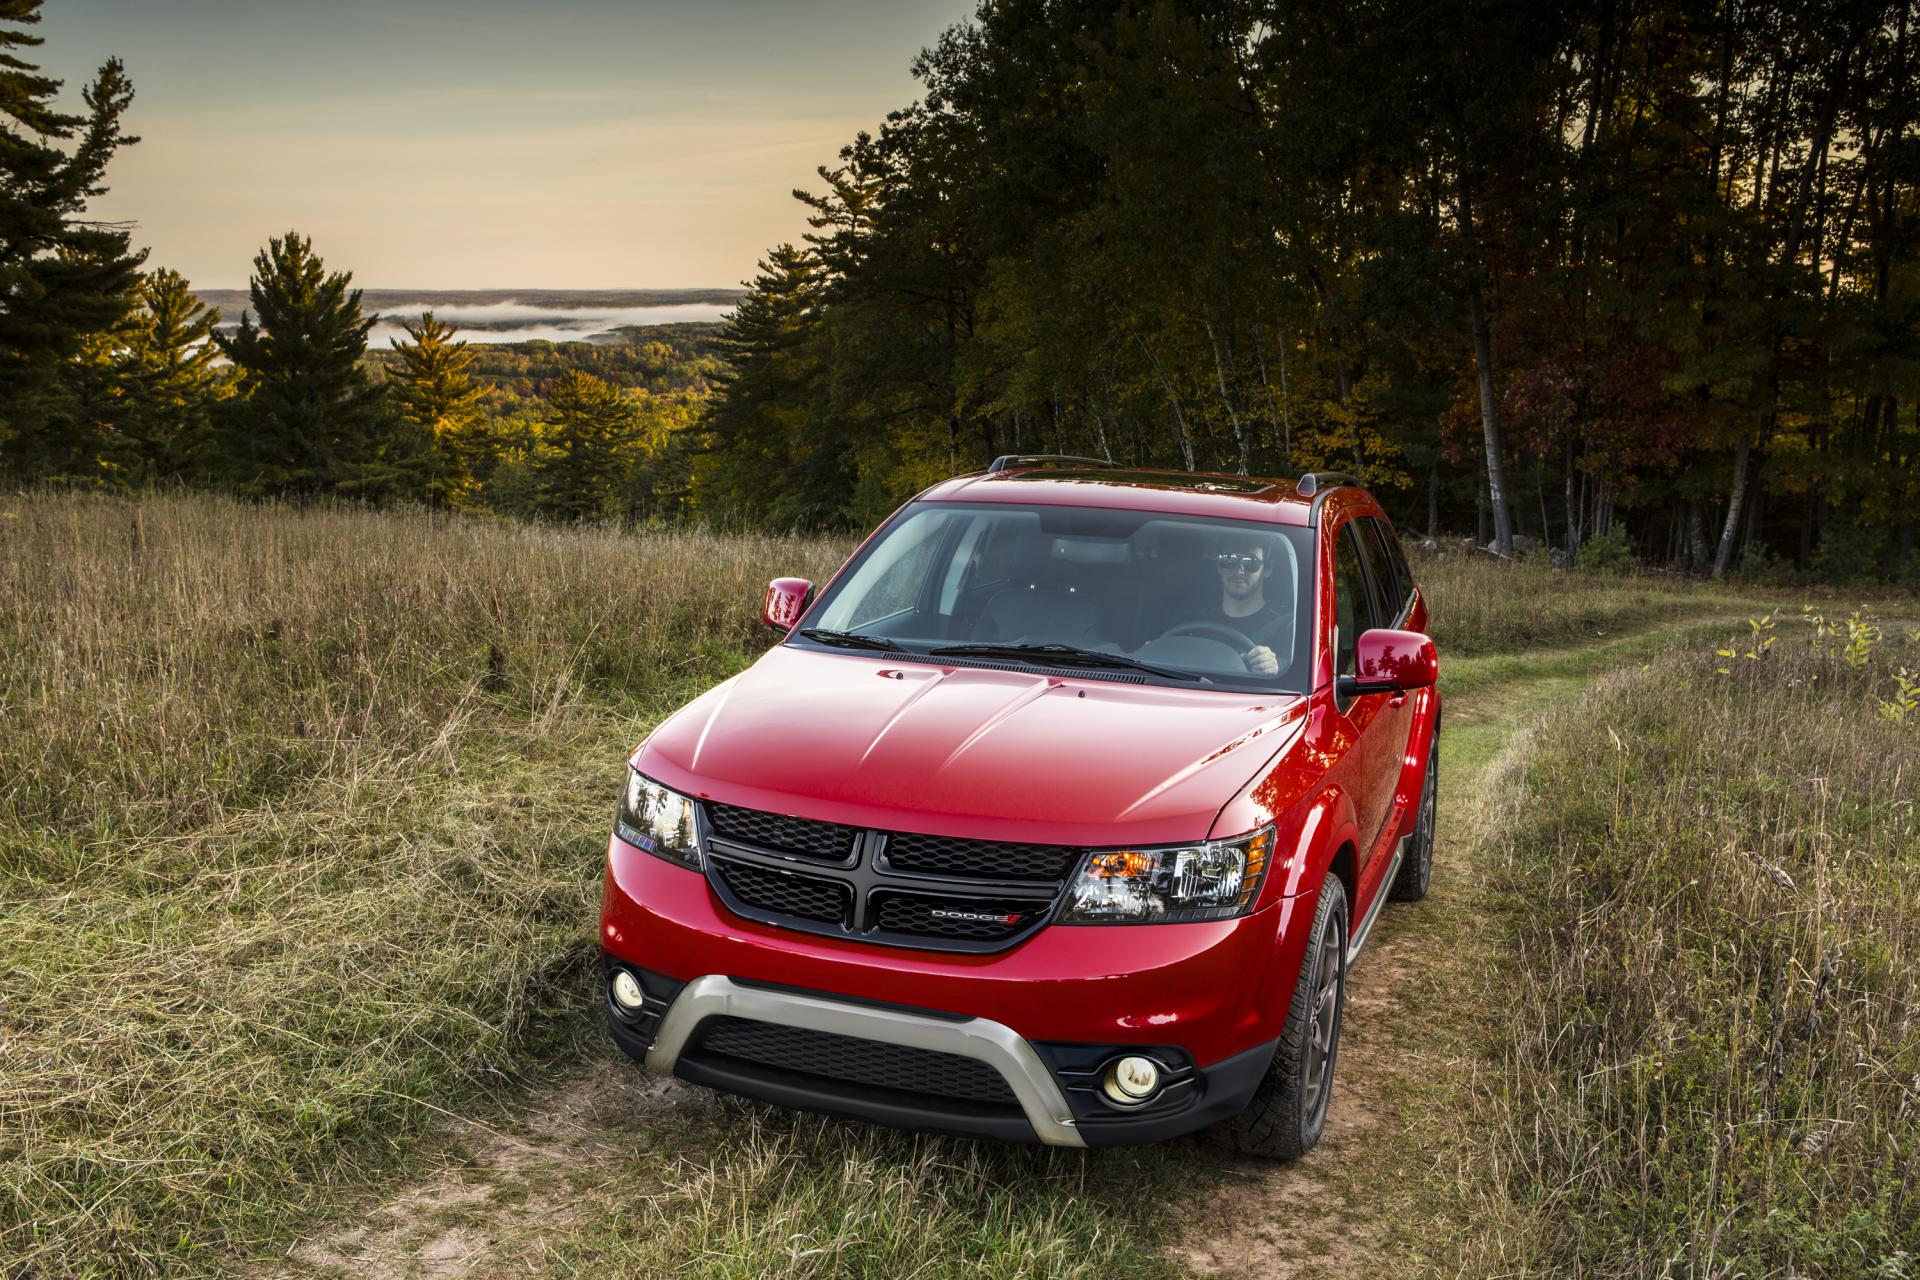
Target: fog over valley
[{"x": 519, "y": 315}]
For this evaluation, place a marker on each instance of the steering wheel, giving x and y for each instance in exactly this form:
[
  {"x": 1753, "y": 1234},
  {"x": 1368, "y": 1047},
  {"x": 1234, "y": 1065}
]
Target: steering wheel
[{"x": 1220, "y": 631}]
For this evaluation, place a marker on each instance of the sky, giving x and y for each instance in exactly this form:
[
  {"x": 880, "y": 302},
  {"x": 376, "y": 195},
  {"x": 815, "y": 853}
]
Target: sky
[{"x": 477, "y": 144}]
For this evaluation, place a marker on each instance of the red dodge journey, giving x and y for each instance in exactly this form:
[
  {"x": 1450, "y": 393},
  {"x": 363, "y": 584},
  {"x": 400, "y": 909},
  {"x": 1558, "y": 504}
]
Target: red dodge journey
[{"x": 1059, "y": 814}]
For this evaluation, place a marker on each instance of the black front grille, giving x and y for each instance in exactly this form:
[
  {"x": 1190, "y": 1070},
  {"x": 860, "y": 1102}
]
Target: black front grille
[
  {"x": 975, "y": 919},
  {"x": 785, "y": 892},
  {"x": 825, "y": 840},
  {"x": 894, "y": 888},
  {"x": 851, "y": 1060},
  {"x": 979, "y": 859}
]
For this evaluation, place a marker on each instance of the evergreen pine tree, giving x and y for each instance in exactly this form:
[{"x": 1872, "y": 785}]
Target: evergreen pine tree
[
  {"x": 768, "y": 453},
  {"x": 434, "y": 390},
  {"x": 306, "y": 419},
  {"x": 170, "y": 380},
  {"x": 589, "y": 428},
  {"x": 63, "y": 280}
]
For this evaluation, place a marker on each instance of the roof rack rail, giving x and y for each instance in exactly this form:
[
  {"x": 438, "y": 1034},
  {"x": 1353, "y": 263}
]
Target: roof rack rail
[
  {"x": 1008, "y": 460},
  {"x": 1314, "y": 481}
]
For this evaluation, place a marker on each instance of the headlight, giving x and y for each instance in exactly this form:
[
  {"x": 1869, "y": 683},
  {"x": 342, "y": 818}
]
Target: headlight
[
  {"x": 657, "y": 820},
  {"x": 1215, "y": 880}
]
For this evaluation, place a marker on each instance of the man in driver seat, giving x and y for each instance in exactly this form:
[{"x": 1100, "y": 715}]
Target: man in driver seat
[{"x": 1244, "y": 564}]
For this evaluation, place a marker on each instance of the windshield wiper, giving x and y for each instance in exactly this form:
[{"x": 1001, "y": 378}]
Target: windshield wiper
[
  {"x": 1060, "y": 655},
  {"x": 853, "y": 640}
]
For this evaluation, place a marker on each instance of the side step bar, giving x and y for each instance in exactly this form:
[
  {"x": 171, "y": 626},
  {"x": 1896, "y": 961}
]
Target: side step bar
[{"x": 1359, "y": 938}]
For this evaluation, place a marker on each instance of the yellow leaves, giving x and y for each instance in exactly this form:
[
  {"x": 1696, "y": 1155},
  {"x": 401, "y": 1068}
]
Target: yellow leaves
[
  {"x": 1759, "y": 643},
  {"x": 1862, "y": 636},
  {"x": 1904, "y": 705}
]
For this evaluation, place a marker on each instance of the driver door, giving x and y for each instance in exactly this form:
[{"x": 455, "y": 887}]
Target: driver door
[{"x": 1370, "y": 767}]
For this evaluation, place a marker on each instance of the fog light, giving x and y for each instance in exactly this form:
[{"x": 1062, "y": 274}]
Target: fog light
[
  {"x": 626, "y": 991},
  {"x": 1132, "y": 1080}
]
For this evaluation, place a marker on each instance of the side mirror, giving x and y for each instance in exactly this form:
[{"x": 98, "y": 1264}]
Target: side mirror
[
  {"x": 787, "y": 599},
  {"x": 1391, "y": 662}
]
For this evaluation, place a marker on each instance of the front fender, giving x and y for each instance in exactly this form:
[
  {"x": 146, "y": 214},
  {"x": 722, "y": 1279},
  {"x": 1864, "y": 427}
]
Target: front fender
[
  {"x": 1323, "y": 823},
  {"x": 1314, "y": 833}
]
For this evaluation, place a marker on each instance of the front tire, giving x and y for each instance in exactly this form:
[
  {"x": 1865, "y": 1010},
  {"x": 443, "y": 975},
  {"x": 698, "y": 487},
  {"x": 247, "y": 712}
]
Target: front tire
[{"x": 1289, "y": 1109}]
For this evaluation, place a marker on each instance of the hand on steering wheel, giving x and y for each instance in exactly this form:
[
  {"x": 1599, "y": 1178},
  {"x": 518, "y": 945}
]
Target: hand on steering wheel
[
  {"x": 1254, "y": 657},
  {"x": 1240, "y": 640}
]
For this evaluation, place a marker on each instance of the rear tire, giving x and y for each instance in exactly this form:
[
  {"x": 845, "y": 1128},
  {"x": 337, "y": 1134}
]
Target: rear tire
[
  {"x": 1289, "y": 1109},
  {"x": 1417, "y": 870}
]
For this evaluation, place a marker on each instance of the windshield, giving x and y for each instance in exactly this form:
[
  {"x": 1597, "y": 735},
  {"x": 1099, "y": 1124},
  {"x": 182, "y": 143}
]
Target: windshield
[{"x": 1175, "y": 599}]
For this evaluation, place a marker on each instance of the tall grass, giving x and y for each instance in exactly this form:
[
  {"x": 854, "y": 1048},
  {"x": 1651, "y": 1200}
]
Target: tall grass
[
  {"x": 300, "y": 822},
  {"x": 1712, "y": 1032},
  {"x": 301, "y": 819},
  {"x": 1479, "y": 605}
]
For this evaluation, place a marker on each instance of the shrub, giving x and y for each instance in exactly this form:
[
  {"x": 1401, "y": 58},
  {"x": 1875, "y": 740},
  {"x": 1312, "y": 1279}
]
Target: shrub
[
  {"x": 1849, "y": 553},
  {"x": 1609, "y": 552},
  {"x": 1759, "y": 564}
]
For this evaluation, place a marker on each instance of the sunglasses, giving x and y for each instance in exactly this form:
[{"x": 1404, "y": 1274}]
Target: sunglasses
[{"x": 1239, "y": 560}]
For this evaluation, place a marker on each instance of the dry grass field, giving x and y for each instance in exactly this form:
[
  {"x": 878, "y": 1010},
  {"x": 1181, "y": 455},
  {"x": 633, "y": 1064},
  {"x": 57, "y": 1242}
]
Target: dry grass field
[
  {"x": 1709, "y": 1060},
  {"x": 301, "y": 820},
  {"x": 299, "y": 826}
]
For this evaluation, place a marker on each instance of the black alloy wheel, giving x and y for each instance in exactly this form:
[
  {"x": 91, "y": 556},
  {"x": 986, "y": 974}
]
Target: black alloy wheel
[
  {"x": 1323, "y": 1026},
  {"x": 1288, "y": 1111}
]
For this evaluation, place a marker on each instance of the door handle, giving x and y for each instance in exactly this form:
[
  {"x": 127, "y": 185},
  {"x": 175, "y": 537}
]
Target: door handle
[{"x": 1397, "y": 700}]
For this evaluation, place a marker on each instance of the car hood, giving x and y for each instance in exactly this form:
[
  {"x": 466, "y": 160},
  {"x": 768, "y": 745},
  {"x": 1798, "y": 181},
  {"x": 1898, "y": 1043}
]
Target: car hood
[{"x": 970, "y": 751}]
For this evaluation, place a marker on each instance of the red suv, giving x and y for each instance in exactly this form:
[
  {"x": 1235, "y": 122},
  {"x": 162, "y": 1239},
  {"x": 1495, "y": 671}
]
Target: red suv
[{"x": 1059, "y": 814}]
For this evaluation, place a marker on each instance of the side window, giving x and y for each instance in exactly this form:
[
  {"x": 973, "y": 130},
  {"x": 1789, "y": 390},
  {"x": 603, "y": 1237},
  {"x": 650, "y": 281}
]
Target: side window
[
  {"x": 1378, "y": 587},
  {"x": 1351, "y": 609},
  {"x": 1399, "y": 558},
  {"x": 1386, "y": 589}
]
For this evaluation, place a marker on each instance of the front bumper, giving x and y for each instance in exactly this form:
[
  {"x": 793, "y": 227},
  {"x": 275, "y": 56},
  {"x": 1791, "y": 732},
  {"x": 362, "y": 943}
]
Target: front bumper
[
  {"x": 1207, "y": 1000},
  {"x": 1054, "y": 1087}
]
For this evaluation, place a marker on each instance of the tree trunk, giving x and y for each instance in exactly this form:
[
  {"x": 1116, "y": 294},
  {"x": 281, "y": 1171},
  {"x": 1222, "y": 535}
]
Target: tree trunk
[
  {"x": 1572, "y": 502},
  {"x": 1281, "y": 419},
  {"x": 1243, "y": 446},
  {"x": 1483, "y": 365},
  {"x": 1540, "y": 492},
  {"x": 1433, "y": 494},
  {"x": 1735, "y": 504},
  {"x": 1173, "y": 398}
]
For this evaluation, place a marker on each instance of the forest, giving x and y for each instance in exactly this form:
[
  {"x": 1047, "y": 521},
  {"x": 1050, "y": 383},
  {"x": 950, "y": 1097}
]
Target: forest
[
  {"x": 1594, "y": 282},
  {"x": 1644, "y": 273}
]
